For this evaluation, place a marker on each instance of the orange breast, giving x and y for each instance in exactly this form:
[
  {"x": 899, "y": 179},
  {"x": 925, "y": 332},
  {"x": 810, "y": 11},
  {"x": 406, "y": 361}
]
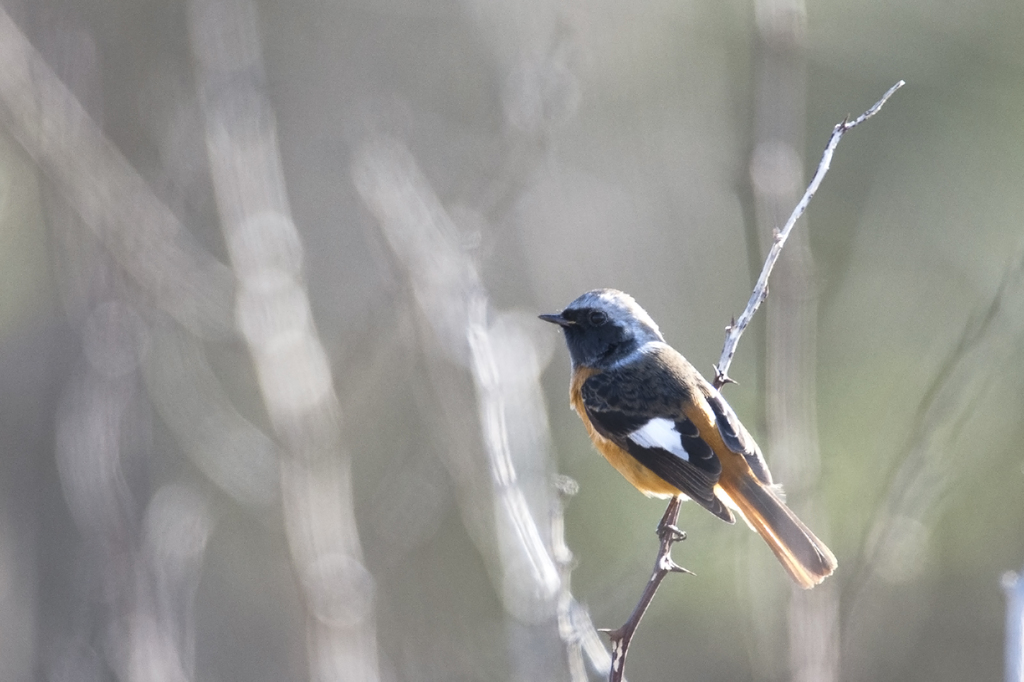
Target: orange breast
[{"x": 645, "y": 480}]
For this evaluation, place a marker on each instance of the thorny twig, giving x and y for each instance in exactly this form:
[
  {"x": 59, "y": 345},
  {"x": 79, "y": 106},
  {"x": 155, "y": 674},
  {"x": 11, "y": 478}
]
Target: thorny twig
[
  {"x": 663, "y": 565},
  {"x": 735, "y": 330}
]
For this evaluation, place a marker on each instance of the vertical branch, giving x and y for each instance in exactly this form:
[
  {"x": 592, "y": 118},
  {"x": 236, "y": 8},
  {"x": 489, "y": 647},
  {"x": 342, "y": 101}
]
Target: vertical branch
[
  {"x": 1013, "y": 586},
  {"x": 502, "y": 362},
  {"x": 776, "y": 173},
  {"x": 575, "y": 640},
  {"x": 273, "y": 313},
  {"x": 787, "y": 370}
]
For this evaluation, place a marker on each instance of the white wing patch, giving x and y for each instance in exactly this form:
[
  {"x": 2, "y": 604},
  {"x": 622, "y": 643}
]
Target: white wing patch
[{"x": 660, "y": 433}]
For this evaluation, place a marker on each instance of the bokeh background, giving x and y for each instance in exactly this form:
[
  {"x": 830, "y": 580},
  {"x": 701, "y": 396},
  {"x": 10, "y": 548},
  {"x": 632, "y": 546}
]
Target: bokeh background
[{"x": 276, "y": 406}]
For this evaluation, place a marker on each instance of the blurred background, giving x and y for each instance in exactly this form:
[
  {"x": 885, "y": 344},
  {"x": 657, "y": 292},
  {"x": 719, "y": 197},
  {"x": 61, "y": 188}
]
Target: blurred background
[{"x": 276, "y": 404}]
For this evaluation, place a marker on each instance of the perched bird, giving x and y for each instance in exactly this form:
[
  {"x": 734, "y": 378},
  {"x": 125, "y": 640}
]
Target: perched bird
[{"x": 671, "y": 433}]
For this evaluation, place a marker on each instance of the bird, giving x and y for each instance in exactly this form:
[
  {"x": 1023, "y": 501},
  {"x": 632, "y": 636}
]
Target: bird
[{"x": 671, "y": 433}]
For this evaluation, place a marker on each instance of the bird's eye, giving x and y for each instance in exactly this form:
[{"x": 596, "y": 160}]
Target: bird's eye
[{"x": 597, "y": 318}]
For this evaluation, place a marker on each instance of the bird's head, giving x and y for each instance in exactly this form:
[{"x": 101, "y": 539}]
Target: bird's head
[{"x": 603, "y": 326}]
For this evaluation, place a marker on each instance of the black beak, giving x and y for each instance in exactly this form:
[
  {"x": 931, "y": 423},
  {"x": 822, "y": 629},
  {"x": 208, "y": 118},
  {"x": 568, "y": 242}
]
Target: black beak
[{"x": 556, "y": 319}]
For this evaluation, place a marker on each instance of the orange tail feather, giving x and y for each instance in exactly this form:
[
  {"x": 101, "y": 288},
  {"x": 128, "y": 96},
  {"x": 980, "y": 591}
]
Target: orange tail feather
[{"x": 806, "y": 558}]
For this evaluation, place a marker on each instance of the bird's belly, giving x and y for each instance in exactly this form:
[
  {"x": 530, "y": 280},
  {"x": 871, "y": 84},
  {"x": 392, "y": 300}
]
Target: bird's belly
[{"x": 645, "y": 480}]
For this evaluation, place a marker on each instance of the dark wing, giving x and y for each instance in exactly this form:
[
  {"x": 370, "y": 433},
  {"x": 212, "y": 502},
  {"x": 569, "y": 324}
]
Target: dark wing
[
  {"x": 735, "y": 435},
  {"x": 622, "y": 403}
]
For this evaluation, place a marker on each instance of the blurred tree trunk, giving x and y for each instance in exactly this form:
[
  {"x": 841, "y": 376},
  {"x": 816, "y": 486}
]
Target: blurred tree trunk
[{"x": 776, "y": 172}]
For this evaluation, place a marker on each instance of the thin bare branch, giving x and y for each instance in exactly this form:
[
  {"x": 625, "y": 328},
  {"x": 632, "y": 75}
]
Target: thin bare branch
[
  {"x": 663, "y": 565},
  {"x": 760, "y": 293}
]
